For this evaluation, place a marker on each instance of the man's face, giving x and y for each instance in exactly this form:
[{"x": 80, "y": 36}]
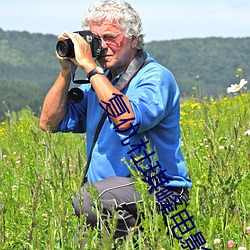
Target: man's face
[{"x": 118, "y": 50}]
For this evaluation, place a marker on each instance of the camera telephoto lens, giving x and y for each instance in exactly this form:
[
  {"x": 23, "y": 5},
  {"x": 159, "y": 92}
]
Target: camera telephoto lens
[{"x": 65, "y": 48}]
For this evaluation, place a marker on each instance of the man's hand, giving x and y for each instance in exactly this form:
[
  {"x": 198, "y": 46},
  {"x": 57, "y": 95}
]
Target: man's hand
[
  {"x": 66, "y": 63},
  {"x": 83, "y": 54}
]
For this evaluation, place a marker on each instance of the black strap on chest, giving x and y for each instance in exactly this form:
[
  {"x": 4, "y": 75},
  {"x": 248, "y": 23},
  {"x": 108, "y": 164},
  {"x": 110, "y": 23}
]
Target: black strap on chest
[{"x": 136, "y": 64}]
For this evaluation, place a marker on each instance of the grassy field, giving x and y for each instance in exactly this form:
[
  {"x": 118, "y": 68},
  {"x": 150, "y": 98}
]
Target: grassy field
[{"x": 40, "y": 172}]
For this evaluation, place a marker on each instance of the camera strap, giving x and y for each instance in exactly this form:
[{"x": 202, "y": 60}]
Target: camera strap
[{"x": 136, "y": 64}]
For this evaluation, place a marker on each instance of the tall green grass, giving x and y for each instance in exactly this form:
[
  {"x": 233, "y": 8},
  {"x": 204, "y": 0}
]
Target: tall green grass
[{"x": 40, "y": 172}]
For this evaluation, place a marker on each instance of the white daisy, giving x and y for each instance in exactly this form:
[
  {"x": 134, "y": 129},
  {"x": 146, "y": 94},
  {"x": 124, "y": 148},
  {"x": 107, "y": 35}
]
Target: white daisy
[{"x": 237, "y": 87}]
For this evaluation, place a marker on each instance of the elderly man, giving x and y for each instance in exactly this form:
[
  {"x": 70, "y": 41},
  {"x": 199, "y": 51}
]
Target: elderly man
[{"x": 141, "y": 99}]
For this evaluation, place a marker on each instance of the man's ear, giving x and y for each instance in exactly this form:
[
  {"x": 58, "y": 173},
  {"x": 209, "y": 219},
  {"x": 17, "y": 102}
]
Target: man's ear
[{"x": 134, "y": 42}]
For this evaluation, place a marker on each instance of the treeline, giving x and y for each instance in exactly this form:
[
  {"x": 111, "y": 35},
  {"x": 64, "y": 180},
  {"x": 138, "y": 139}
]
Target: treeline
[
  {"x": 204, "y": 67},
  {"x": 28, "y": 68},
  {"x": 16, "y": 95},
  {"x": 210, "y": 64}
]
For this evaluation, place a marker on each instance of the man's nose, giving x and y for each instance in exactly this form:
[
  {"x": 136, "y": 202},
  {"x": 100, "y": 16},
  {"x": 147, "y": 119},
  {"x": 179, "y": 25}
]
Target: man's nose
[{"x": 104, "y": 44}]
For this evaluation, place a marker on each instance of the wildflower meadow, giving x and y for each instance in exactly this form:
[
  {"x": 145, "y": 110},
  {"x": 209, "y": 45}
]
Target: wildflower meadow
[{"x": 40, "y": 172}]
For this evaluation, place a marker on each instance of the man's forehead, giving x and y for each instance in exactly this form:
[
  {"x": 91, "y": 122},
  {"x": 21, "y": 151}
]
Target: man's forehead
[{"x": 104, "y": 27}]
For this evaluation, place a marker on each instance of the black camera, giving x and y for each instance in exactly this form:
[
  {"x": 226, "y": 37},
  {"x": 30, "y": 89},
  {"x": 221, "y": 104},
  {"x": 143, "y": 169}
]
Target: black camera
[{"x": 65, "y": 48}]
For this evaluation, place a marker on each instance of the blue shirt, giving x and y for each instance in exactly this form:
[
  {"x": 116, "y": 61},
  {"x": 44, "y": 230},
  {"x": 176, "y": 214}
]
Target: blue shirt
[{"x": 154, "y": 97}]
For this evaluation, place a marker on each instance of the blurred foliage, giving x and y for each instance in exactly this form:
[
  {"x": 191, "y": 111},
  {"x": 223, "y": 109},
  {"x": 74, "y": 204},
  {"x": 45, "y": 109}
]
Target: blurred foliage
[
  {"x": 16, "y": 95},
  {"x": 28, "y": 68}
]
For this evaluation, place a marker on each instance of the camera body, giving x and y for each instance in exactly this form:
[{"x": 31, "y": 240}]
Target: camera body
[{"x": 65, "y": 48}]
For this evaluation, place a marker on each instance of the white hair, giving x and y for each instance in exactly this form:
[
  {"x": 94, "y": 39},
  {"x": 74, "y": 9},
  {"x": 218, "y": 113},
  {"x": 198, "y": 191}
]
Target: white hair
[{"x": 120, "y": 13}]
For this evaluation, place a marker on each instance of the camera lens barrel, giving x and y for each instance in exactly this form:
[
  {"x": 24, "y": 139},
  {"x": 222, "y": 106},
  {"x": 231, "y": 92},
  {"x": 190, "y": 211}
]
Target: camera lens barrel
[{"x": 65, "y": 48}]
